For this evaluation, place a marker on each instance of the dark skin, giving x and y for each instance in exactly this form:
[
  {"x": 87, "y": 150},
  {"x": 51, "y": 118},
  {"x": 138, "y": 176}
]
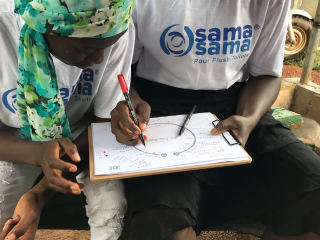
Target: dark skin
[
  {"x": 61, "y": 159},
  {"x": 254, "y": 101},
  {"x": 80, "y": 52},
  {"x": 60, "y": 154}
]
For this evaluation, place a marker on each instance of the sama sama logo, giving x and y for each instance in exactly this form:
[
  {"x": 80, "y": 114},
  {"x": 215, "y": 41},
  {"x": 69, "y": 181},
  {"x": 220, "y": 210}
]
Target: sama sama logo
[
  {"x": 83, "y": 87},
  {"x": 179, "y": 39},
  {"x": 214, "y": 41},
  {"x": 9, "y": 100}
]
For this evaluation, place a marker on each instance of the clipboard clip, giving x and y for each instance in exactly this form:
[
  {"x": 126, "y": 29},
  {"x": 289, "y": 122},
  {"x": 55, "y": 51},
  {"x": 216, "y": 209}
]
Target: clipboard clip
[{"x": 228, "y": 136}]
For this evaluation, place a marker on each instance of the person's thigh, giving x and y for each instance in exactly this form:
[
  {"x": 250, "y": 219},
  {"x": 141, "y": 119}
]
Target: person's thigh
[
  {"x": 286, "y": 178},
  {"x": 164, "y": 204},
  {"x": 15, "y": 180}
]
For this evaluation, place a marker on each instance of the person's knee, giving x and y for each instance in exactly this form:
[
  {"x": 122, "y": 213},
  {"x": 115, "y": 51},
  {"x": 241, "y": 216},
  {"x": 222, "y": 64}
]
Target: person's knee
[
  {"x": 106, "y": 206},
  {"x": 184, "y": 234}
]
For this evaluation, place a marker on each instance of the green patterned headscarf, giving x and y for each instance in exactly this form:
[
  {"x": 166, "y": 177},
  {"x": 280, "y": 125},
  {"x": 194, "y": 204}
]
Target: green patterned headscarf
[{"x": 40, "y": 107}]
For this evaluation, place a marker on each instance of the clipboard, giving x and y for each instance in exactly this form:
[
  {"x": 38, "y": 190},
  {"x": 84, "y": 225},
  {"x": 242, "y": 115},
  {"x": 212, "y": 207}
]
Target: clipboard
[{"x": 98, "y": 178}]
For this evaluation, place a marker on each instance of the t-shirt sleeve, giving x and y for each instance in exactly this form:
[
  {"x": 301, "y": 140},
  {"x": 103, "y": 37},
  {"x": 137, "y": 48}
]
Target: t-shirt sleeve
[
  {"x": 268, "y": 53},
  {"x": 138, "y": 47},
  {"x": 119, "y": 62}
]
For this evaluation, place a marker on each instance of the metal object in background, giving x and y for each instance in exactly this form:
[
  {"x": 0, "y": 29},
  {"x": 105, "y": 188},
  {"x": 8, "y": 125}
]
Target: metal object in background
[
  {"x": 299, "y": 28},
  {"x": 312, "y": 48}
]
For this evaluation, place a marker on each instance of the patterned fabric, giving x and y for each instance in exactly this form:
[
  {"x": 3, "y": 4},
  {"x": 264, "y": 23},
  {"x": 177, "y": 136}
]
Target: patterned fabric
[{"x": 40, "y": 107}]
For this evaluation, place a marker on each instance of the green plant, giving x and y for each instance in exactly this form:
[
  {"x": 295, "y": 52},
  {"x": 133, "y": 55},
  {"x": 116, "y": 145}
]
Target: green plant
[
  {"x": 316, "y": 65},
  {"x": 296, "y": 62},
  {"x": 300, "y": 62}
]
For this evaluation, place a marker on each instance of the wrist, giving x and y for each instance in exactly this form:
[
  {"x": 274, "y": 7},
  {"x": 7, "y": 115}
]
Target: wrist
[
  {"x": 35, "y": 153},
  {"x": 42, "y": 191},
  {"x": 252, "y": 121},
  {"x": 134, "y": 95}
]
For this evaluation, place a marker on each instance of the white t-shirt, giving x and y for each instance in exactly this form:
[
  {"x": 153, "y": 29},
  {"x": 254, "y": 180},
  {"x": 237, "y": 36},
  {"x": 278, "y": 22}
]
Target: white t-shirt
[
  {"x": 209, "y": 44},
  {"x": 92, "y": 89}
]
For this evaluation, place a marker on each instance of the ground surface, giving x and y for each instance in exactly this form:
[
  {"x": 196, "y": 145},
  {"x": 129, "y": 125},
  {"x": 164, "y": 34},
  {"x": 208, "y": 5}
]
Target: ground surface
[
  {"x": 290, "y": 71},
  {"x": 85, "y": 235}
]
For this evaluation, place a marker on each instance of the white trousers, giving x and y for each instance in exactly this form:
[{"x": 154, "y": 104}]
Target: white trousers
[
  {"x": 106, "y": 207},
  {"x": 106, "y": 203},
  {"x": 15, "y": 180}
]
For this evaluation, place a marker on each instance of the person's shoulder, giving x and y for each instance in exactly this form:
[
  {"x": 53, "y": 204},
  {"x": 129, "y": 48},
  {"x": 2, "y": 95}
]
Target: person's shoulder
[
  {"x": 274, "y": 4},
  {"x": 6, "y": 6},
  {"x": 9, "y": 19}
]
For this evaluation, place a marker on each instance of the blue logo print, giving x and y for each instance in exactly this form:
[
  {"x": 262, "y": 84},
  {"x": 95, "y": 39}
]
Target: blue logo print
[
  {"x": 9, "y": 99},
  {"x": 177, "y": 41}
]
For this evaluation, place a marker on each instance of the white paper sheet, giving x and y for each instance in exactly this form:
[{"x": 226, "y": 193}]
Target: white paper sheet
[{"x": 164, "y": 147}]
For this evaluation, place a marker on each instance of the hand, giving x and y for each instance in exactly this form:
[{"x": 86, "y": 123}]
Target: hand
[
  {"x": 122, "y": 125},
  {"x": 6, "y": 225},
  {"x": 241, "y": 126},
  {"x": 26, "y": 218},
  {"x": 48, "y": 158}
]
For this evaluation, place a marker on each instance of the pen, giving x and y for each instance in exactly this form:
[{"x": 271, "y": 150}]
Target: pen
[
  {"x": 125, "y": 92},
  {"x": 187, "y": 120}
]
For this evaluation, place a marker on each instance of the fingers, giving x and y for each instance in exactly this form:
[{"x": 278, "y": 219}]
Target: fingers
[
  {"x": 123, "y": 116},
  {"x": 143, "y": 111},
  {"x": 55, "y": 163},
  {"x": 59, "y": 184},
  {"x": 69, "y": 148},
  {"x": 7, "y": 225},
  {"x": 224, "y": 125},
  {"x": 22, "y": 226},
  {"x": 122, "y": 134},
  {"x": 122, "y": 125},
  {"x": 237, "y": 124}
]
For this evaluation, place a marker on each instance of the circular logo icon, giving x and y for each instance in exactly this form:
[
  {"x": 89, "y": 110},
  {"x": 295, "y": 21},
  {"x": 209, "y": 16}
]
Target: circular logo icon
[
  {"x": 9, "y": 100},
  {"x": 174, "y": 42}
]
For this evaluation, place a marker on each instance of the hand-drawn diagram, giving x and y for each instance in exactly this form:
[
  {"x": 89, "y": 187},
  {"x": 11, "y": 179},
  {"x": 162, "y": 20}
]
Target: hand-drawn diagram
[
  {"x": 167, "y": 138},
  {"x": 164, "y": 147}
]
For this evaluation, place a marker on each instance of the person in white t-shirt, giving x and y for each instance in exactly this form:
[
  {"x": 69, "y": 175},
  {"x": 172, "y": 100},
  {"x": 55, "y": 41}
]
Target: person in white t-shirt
[
  {"x": 88, "y": 94},
  {"x": 226, "y": 57}
]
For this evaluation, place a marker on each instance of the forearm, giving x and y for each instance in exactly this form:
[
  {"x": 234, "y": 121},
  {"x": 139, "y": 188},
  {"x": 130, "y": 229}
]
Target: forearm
[
  {"x": 14, "y": 149},
  {"x": 257, "y": 97},
  {"x": 43, "y": 191}
]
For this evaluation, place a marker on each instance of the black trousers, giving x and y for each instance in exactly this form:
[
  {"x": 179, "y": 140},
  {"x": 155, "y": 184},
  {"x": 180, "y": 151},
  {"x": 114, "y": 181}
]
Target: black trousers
[{"x": 281, "y": 187}]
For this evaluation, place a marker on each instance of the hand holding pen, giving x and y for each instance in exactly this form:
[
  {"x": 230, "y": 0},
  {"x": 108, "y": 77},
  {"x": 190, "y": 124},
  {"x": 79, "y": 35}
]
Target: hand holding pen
[{"x": 124, "y": 120}]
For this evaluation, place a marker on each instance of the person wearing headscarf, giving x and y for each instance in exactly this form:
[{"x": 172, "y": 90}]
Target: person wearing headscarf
[{"x": 54, "y": 100}]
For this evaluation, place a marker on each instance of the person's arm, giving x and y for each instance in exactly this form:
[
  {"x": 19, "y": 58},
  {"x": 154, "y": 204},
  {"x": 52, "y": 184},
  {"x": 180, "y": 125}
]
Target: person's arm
[
  {"x": 256, "y": 98},
  {"x": 41, "y": 154},
  {"x": 265, "y": 66},
  {"x": 26, "y": 216},
  {"x": 14, "y": 149},
  {"x": 27, "y": 213}
]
